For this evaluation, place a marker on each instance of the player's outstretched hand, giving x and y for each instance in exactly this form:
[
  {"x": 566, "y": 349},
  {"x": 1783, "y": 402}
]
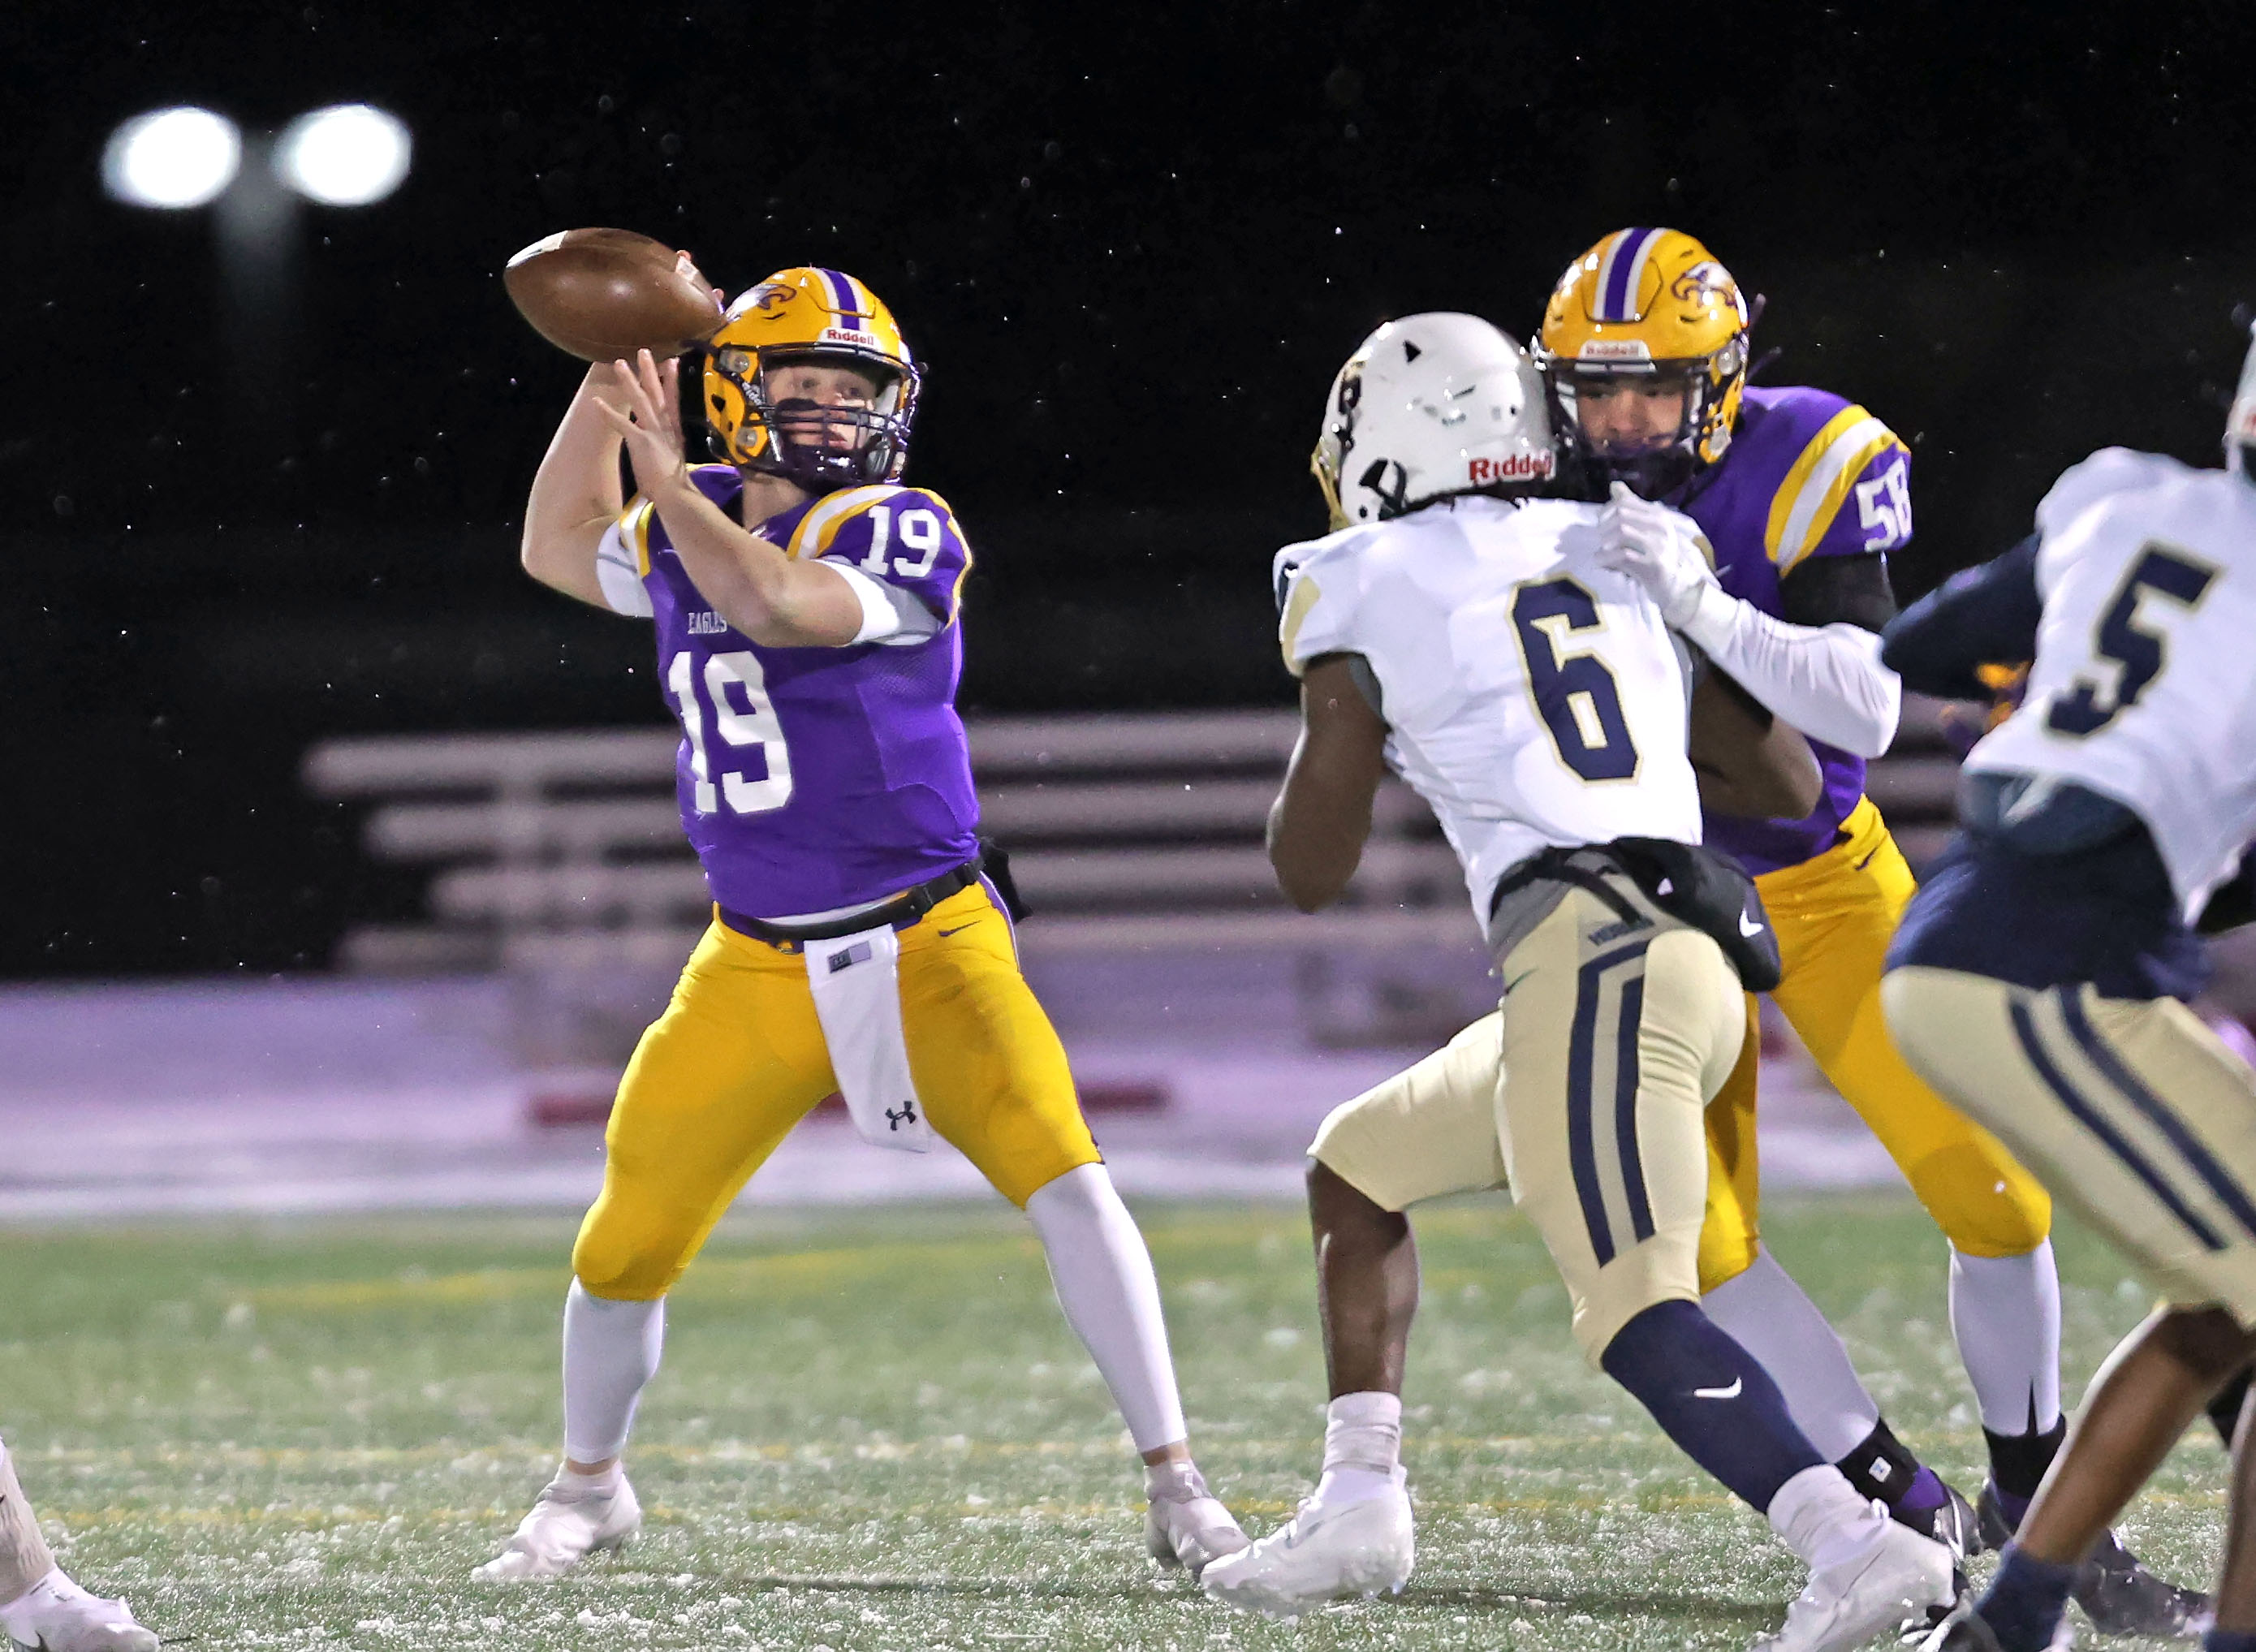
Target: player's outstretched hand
[
  {"x": 651, "y": 423},
  {"x": 1648, "y": 542}
]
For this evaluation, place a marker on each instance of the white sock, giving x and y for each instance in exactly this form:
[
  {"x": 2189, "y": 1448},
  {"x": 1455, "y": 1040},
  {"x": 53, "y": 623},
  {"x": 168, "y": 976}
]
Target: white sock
[
  {"x": 1104, "y": 1282},
  {"x": 610, "y": 1352},
  {"x": 24, "y": 1556},
  {"x": 1363, "y": 1448},
  {"x": 1174, "y": 1481},
  {"x": 1776, "y": 1322},
  {"x": 2005, "y": 1311},
  {"x": 1819, "y": 1516}
]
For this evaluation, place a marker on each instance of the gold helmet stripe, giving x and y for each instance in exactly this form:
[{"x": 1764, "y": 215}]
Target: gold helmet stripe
[{"x": 1811, "y": 496}]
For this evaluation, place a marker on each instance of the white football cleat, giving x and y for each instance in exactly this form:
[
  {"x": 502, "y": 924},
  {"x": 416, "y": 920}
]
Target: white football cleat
[
  {"x": 1854, "y": 1601},
  {"x": 55, "y": 1615},
  {"x": 1320, "y": 1555},
  {"x": 1190, "y": 1532},
  {"x": 564, "y": 1527}
]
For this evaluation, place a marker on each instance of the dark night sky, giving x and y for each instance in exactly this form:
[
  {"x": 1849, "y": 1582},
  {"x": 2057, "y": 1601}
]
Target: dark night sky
[{"x": 1133, "y": 248}]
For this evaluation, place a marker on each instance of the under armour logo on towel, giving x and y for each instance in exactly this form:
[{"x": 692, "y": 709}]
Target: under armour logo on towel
[
  {"x": 905, "y": 1116},
  {"x": 858, "y": 953}
]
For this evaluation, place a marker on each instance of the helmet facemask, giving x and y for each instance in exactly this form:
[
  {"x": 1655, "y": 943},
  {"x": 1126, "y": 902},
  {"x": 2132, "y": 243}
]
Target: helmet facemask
[
  {"x": 821, "y": 446},
  {"x": 1658, "y": 462}
]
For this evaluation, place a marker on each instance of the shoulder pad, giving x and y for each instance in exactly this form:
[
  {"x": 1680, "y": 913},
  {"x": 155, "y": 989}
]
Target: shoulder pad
[
  {"x": 1839, "y": 441},
  {"x": 819, "y": 530},
  {"x": 1795, "y": 407},
  {"x": 719, "y": 482},
  {"x": 2108, "y": 471}
]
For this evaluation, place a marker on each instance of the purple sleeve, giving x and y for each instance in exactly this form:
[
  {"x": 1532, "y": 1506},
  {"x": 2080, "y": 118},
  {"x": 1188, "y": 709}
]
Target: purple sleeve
[{"x": 909, "y": 539}]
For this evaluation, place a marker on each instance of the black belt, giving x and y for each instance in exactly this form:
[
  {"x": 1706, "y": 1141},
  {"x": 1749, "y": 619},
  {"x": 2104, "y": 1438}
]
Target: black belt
[{"x": 902, "y": 910}]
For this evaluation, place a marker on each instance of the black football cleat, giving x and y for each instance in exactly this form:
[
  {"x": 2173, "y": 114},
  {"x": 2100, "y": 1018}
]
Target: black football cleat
[
  {"x": 1967, "y": 1630},
  {"x": 2121, "y": 1597},
  {"x": 2113, "y": 1586},
  {"x": 1962, "y": 1629},
  {"x": 1953, "y": 1523}
]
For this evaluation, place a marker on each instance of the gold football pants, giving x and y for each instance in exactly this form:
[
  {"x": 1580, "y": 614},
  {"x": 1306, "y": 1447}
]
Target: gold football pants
[
  {"x": 2135, "y": 1112},
  {"x": 1584, "y": 1094},
  {"x": 1835, "y": 916},
  {"x": 738, "y": 1059}
]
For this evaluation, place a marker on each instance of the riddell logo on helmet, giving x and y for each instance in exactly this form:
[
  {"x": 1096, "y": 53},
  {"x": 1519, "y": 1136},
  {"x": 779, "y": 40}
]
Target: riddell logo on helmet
[
  {"x": 1614, "y": 350},
  {"x": 1518, "y": 467},
  {"x": 848, "y": 336}
]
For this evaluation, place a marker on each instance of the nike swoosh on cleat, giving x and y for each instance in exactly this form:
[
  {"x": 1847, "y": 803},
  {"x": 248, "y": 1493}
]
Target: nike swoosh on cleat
[
  {"x": 1747, "y": 927},
  {"x": 1732, "y": 1392}
]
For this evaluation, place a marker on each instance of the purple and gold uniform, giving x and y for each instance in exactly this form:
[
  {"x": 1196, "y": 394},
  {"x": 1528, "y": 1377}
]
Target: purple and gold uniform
[
  {"x": 812, "y": 779},
  {"x": 813, "y": 782},
  {"x": 1809, "y": 474}
]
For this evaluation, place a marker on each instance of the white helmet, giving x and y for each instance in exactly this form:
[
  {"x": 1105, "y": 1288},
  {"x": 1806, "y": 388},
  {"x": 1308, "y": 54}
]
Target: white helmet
[
  {"x": 2240, "y": 423},
  {"x": 1427, "y": 407}
]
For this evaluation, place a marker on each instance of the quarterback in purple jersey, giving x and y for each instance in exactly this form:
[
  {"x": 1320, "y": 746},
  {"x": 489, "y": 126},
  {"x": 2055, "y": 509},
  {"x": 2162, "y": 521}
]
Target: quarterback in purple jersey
[{"x": 806, "y": 612}]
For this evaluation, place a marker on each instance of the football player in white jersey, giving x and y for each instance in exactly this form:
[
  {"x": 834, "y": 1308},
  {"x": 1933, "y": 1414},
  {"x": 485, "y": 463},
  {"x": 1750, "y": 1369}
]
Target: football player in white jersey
[
  {"x": 40, "y": 1608},
  {"x": 2039, "y": 979},
  {"x": 1491, "y": 650}
]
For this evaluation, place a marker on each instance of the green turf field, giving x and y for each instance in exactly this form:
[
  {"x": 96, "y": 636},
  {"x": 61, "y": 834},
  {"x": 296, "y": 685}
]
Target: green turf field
[{"x": 873, "y": 1431}]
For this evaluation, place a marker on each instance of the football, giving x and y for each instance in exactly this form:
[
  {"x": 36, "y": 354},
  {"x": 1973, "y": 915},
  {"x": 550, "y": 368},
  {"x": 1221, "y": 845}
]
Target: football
[{"x": 603, "y": 294}]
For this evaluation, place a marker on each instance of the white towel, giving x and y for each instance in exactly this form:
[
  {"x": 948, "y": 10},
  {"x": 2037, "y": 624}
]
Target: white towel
[{"x": 858, "y": 998}]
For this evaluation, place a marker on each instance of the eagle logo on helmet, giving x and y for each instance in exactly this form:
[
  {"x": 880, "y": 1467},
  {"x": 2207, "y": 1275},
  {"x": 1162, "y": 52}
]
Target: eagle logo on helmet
[
  {"x": 795, "y": 315},
  {"x": 1651, "y": 307}
]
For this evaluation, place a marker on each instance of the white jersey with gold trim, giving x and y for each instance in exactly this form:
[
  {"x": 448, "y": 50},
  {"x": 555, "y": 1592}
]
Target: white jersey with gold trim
[
  {"x": 2144, "y": 687},
  {"x": 1532, "y": 696}
]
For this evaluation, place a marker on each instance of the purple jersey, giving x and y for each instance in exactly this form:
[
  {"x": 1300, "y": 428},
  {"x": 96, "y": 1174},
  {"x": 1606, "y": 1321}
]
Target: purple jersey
[
  {"x": 1807, "y": 474},
  {"x": 812, "y": 779}
]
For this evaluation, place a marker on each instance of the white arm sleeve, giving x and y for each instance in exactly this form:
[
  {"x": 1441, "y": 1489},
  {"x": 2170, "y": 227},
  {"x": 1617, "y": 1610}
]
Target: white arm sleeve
[
  {"x": 889, "y": 614},
  {"x": 1827, "y": 681},
  {"x": 616, "y": 573}
]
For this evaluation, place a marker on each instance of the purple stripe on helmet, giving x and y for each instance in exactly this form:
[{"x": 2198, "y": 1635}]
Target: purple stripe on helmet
[
  {"x": 850, "y": 313},
  {"x": 1621, "y": 292}
]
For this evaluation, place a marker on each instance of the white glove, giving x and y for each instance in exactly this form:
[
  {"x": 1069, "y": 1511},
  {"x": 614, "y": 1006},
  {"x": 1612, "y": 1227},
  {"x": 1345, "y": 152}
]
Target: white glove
[
  {"x": 1827, "y": 681},
  {"x": 1650, "y": 543}
]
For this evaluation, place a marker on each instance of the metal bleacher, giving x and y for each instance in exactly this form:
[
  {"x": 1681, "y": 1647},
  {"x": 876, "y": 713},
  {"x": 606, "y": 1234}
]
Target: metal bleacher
[{"x": 1127, "y": 831}]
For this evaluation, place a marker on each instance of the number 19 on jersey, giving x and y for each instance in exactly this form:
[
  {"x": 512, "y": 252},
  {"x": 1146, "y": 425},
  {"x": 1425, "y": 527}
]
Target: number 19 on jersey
[{"x": 743, "y": 716}]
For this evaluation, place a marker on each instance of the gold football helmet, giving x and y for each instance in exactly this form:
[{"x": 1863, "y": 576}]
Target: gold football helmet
[
  {"x": 806, "y": 315},
  {"x": 1647, "y": 307}
]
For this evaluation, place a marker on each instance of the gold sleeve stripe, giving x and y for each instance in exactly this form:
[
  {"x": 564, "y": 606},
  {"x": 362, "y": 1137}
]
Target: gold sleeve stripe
[
  {"x": 956, "y": 592},
  {"x": 1296, "y": 614},
  {"x": 637, "y": 526},
  {"x": 1811, "y": 496},
  {"x": 818, "y": 527}
]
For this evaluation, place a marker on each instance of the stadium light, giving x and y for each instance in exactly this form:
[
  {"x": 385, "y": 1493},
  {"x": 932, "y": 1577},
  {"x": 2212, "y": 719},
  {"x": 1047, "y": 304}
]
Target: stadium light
[
  {"x": 171, "y": 158},
  {"x": 346, "y": 155}
]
